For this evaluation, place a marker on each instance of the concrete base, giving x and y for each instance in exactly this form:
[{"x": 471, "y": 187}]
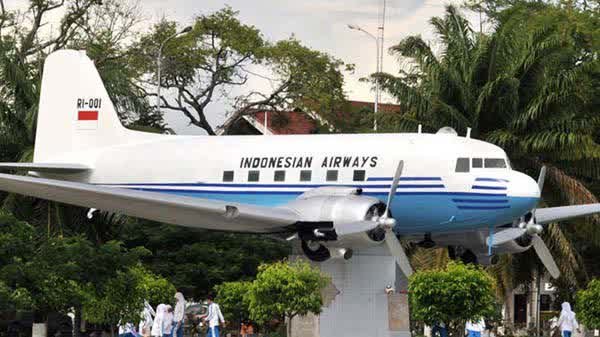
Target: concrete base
[
  {"x": 39, "y": 330},
  {"x": 356, "y": 303}
]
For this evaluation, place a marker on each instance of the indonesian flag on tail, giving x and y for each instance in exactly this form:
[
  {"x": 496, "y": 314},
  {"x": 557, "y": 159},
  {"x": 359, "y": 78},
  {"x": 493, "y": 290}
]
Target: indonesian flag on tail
[{"x": 87, "y": 119}]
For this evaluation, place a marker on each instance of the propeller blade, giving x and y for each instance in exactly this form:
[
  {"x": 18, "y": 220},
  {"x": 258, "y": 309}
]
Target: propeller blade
[
  {"x": 507, "y": 235},
  {"x": 541, "y": 178},
  {"x": 397, "y": 252},
  {"x": 394, "y": 186},
  {"x": 545, "y": 256}
]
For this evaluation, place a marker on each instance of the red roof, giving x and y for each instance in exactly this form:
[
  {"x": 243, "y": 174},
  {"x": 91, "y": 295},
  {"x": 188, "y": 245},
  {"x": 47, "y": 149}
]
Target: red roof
[
  {"x": 287, "y": 122},
  {"x": 298, "y": 122}
]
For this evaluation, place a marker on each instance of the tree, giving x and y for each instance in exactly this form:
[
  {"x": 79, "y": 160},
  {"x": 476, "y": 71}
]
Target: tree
[
  {"x": 109, "y": 30},
  {"x": 588, "y": 305},
  {"x": 530, "y": 87},
  {"x": 221, "y": 54},
  {"x": 284, "y": 290},
  {"x": 233, "y": 299},
  {"x": 452, "y": 296},
  {"x": 195, "y": 261},
  {"x": 16, "y": 249},
  {"x": 121, "y": 298}
]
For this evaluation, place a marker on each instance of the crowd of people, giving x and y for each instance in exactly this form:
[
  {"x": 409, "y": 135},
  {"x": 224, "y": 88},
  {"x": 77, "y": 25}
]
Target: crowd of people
[
  {"x": 566, "y": 323},
  {"x": 167, "y": 321}
]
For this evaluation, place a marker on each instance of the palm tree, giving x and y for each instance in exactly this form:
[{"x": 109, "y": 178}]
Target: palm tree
[{"x": 524, "y": 87}]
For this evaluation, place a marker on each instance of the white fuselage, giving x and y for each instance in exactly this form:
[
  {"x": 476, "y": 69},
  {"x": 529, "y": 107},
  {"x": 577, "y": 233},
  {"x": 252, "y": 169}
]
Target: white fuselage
[{"x": 274, "y": 170}]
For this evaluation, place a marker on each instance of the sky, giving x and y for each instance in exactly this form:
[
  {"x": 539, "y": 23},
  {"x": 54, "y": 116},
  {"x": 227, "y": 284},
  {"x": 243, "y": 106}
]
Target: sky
[{"x": 319, "y": 24}]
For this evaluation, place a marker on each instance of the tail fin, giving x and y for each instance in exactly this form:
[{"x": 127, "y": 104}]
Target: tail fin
[{"x": 75, "y": 112}]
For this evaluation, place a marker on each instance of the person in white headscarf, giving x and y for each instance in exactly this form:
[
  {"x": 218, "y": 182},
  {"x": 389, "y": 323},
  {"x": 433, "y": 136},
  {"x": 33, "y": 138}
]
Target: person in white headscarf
[
  {"x": 475, "y": 329},
  {"x": 567, "y": 321},
  {"x": 179, "y": 315},
  {"x": 145, "y": 326},
  {"x": 168, "y": 321},
  {"x": 157, "y": 326}
]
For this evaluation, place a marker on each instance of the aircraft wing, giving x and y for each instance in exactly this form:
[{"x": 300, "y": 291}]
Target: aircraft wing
[
  {"x": 553, "y": 214},
  {"x": 180, "y": 210},
  {"x": 45, "y": 167}
]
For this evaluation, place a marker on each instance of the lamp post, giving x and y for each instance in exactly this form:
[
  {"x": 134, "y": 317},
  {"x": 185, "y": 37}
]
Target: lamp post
[
  {"x": 376, "y": 103},
  {"x": 159, "y": 62}
]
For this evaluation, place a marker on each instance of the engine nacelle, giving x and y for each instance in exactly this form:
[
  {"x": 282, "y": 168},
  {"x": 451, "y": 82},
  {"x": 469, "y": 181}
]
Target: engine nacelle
[
  {"x": 327, "y": 209},
  {"x": 516, "y": 246}
]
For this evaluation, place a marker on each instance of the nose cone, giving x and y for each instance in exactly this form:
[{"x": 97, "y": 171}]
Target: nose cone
[{"x": 522, "y": 185}]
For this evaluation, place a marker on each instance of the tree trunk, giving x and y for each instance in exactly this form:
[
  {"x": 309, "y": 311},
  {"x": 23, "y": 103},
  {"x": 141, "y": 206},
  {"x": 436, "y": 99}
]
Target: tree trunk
[
  {"x": 289, "y": 327},
  {"x": 77, "y": 322}
]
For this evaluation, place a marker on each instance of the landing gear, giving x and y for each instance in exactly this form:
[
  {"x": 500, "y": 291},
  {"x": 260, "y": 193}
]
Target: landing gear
[
  {"x": 427, "y": 242},
  {"x": 468, "y": 257},
  {"x": 465, "y": 255},
  {"x": 315, "y": 251}
]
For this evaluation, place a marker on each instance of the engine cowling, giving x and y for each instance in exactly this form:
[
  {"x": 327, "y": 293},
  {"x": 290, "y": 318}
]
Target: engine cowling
[
  {"x": 324, "y": 211},
  {"x": 515, "y": 246}
]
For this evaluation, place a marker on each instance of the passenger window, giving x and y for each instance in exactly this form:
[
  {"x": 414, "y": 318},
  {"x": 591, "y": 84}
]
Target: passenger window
[
  {"x": 477, "y": 163},
  {"x": 227, "y": 176},
  {"x": 279, "y": 176},
  {"x": 253, "y": 176},
  {"x": 495, "y": 163},
  {"x": 359, "y": 175},
  {"x": 305, "y": 175},
  {"x": 462, "y": 165},
  {"x": 332, "y": 175}
]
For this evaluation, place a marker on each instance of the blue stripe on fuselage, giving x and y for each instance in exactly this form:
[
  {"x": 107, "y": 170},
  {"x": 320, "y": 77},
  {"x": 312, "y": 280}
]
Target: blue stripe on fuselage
[{"x": 415, "y": 211}]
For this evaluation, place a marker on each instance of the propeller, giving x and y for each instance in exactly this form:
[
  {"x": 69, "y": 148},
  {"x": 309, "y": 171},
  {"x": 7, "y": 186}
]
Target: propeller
[
  {"x": 533, "y": 229},
  {"x": 387, "y": 223},
  {"x": 545, "y": 256}
]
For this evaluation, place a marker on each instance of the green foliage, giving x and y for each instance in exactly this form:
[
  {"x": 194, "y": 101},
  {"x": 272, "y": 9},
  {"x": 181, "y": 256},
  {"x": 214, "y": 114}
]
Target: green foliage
[
  {"x": 122, "y": 296},
  {"x": 588, "y": 305},
  {"x": 529, "y": 86},
  {"x": 453, "y": 295},
  {"x": 14, "y": 299},
  {"x": 233, "y": 300},
  {"x": 16, "y": 248},
  {"x": 285, "y": 290},
  {"x": 195, "y": 261},
  {"x": 54, "y": 274}
]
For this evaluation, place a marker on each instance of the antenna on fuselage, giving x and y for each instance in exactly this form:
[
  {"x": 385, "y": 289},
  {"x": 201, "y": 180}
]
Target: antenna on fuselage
[
  {"x": 420, "y": 129},
  {"x": 468, "y": 133}
]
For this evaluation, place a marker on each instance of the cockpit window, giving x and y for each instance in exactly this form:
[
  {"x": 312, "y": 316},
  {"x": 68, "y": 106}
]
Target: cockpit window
[
  {"x": 477, "y": 162},
  {"x": 495, "y": 163},
  {"x": 462, "y": 165}
]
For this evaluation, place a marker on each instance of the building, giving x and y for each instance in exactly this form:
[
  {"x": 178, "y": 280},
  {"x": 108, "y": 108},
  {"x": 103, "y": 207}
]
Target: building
[{"x": 263, "y": 122}]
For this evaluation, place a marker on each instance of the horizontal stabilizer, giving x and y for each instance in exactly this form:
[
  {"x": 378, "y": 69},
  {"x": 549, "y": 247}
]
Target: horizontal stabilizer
[
  {"x": 553, "y": 214},
  {"x": 162, "y": 207},
  {"x": 45, "y": 167}
]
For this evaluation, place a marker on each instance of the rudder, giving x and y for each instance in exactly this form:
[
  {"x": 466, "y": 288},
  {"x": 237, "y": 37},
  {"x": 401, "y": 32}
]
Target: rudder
[{"x": 75, "y": 112}]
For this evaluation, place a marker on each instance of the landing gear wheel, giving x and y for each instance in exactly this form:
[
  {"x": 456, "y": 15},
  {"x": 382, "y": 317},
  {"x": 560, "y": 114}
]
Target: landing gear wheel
[
  {"x": 468, "y": 257},
  {"x": 427, "y": 242},
  {"x": 452, "y": 252},
  {"x": 317, "y": 254}
]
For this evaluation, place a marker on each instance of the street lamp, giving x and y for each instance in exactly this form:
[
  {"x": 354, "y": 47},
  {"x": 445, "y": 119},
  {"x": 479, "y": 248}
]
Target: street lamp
[
  {"x": 376, "y": 104},
  {"x": 159, "y": 62}
]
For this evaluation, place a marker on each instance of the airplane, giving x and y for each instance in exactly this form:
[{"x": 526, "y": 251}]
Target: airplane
[{"x": 333, "y": 192}]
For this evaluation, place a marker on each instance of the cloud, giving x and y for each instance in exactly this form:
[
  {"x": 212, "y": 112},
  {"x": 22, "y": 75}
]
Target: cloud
[{"x": 319, "y": 24}]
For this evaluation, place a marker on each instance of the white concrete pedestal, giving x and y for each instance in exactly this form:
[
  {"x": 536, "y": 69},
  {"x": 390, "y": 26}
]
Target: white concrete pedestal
[
  {"x": 356, "y": 304},
  {"x": 39, "y": 330}
]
